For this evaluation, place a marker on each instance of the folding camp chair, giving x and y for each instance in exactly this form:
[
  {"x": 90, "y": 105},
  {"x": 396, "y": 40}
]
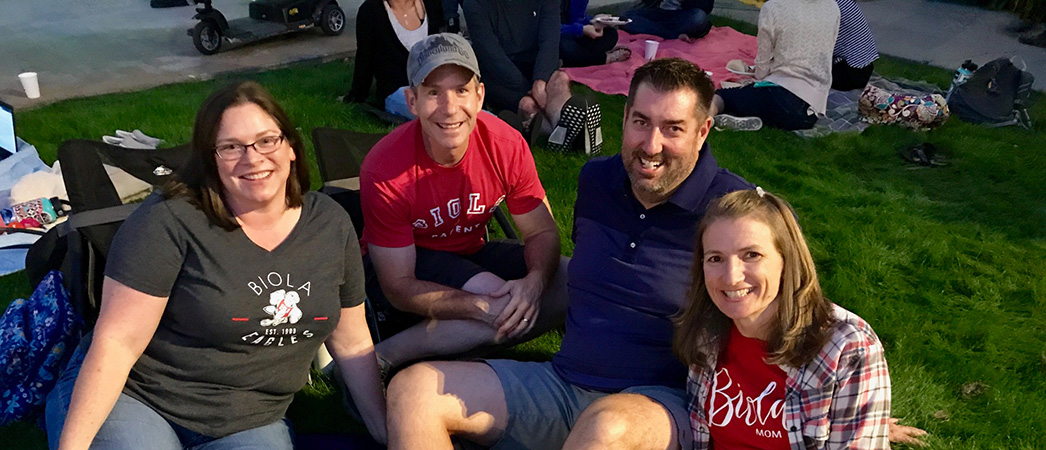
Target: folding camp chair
[{"x": 79, "y": 246}]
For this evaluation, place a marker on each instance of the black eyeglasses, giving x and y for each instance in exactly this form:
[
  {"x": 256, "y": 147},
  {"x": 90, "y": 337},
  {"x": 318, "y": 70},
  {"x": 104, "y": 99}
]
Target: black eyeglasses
[{"x": 263, "y": 146}]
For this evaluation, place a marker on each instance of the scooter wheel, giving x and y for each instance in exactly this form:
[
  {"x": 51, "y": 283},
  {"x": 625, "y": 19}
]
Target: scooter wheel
[
  {"x": 207, "y": 37},
  {"x": 332, "y": 20}
]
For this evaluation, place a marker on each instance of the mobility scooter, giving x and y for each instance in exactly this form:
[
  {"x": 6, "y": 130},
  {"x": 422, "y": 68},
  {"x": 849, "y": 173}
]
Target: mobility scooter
[{"x": 267, "y": 18}]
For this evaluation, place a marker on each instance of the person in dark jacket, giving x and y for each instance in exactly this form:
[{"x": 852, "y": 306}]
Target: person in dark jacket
[
  {"x": 517, "y": 44},
  {"x": 585, "y": 40},
  {"x": 381, "y": 50},
  {"x": 670, "y": 19}
]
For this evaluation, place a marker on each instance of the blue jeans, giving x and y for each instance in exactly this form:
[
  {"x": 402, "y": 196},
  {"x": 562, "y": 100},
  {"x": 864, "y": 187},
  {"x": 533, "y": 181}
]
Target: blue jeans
[
  {"x": 396, "y": 103},
  {"x": 666, "y": 23},
  {"x": 777, "y": 106},
  {"x": 134, "y": 425}
]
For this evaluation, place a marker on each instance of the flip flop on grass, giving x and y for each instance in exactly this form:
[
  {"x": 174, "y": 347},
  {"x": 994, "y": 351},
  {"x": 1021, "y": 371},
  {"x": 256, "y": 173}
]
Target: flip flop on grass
[{"x": 925, "y": 154}]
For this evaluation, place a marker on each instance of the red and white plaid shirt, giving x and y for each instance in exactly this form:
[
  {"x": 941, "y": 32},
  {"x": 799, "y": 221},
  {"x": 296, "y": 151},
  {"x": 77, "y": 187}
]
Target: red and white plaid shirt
[{"x": 840, "y": 400}]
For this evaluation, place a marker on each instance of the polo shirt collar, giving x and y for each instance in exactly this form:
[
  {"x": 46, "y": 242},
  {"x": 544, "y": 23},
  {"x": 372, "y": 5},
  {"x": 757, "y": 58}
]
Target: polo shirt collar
[
  {"x": 694, "y": 187},
  {"x": 690, "y": 194}
]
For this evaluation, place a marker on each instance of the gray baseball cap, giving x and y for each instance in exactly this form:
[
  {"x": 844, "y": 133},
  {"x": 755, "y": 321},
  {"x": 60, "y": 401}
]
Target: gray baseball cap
[{"x": 437, "y": 50}]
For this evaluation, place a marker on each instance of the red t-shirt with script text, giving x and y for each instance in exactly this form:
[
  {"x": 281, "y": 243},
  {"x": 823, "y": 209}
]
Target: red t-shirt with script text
[{"x": 747, "y": 400}]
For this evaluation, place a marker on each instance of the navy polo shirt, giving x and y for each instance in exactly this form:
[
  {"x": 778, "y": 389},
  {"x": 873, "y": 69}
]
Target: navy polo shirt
[{"x": 629, "y": 275}]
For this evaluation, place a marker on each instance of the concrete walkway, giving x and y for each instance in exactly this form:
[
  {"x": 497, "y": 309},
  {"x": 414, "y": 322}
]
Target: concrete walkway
[
  {"x": 83, "y": 48},
  {"x": 90, "y": 47}
]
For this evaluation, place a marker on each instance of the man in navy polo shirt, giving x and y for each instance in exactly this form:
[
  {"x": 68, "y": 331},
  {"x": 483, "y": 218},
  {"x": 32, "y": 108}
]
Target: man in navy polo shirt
[{"x": 615, "y": 382}]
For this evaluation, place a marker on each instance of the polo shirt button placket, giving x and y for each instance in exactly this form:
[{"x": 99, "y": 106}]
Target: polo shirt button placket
[
  {"x": 632, "y": 245},
  {"x": 642, "y": 216}
]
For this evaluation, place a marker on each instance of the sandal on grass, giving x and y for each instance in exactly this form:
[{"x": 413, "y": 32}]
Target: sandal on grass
[
  {"x": 515, "y": 121},
  {"x": 618, "y": 54},
  {"x": 730, "y": 122},
  {"x": 925, "y": 154}
]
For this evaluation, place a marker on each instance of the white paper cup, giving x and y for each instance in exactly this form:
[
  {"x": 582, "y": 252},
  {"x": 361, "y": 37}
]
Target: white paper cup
[
  {"x": 30, "y": 83},
  {"x": 651, "y": 50}
]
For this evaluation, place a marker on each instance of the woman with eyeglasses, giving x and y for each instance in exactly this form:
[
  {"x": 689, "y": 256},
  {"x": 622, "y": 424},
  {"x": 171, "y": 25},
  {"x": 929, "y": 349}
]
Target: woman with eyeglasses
[
  {"x": 773, "y": 363},
  {"x": 218, "y": 292}
]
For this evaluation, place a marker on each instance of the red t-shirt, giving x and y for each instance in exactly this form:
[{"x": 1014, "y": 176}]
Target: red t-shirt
[
  {"x": 747, "y": 400},
  {"x": 408, "y": 198}
]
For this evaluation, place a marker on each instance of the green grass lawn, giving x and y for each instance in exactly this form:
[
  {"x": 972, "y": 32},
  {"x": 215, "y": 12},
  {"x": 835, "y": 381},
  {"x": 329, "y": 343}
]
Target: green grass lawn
[{"x": 947, "y": 264}]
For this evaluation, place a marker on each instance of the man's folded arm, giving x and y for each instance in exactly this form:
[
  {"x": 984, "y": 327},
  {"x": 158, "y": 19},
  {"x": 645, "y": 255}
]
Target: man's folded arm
[{"x": 395, "y": 269}]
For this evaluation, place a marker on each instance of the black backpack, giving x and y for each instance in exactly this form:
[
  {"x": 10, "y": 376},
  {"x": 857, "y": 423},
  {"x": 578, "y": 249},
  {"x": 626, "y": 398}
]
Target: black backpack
[
  {"x": 78, "y": 247},
  {"x": 995, "y": 95}
]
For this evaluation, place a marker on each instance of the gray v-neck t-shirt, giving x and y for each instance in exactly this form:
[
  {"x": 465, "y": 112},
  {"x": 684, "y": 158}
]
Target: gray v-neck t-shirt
[{"x": 241, "y": 324}]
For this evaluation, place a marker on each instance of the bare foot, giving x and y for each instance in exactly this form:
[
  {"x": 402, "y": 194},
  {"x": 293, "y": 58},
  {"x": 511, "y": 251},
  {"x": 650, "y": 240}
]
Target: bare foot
[
  {"x": 558, "y": 90},
  {"x": 618, "y": 54},
  {"x": 528, "y": 108}
]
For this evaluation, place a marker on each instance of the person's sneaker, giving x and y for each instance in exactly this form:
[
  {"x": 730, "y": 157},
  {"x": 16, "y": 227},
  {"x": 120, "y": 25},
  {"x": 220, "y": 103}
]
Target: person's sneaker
[
  {"x": 592, "y": 138},
  {"x": 738, "y": 123},
  {"x": 739, "y": 67},
  {"x": 571, "y": 124}
]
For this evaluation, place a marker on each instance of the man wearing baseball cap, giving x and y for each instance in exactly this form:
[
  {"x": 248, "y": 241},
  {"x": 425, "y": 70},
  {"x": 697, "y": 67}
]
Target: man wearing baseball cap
[{"x": 428, "y": 189}]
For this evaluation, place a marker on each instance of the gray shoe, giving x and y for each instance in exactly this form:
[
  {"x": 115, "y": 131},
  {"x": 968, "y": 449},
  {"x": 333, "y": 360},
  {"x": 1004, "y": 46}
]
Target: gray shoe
[{"x": 738, "y": 123}]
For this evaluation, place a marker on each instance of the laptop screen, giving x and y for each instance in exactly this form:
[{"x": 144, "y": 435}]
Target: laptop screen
[{"x": 7, "y": 130}]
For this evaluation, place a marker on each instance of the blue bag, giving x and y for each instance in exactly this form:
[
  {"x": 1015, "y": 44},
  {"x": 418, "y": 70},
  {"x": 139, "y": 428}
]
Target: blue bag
[{"x": 36, "y": 338}]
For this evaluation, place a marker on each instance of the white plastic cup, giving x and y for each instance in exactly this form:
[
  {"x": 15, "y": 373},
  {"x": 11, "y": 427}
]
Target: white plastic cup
[
  {"x": 31, "y": 84},
  {"x": 651, "y": 50}
]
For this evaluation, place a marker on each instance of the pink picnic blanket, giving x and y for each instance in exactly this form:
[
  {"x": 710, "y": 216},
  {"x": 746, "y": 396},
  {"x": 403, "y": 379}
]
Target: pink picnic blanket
[{"x": 711, "y": 53}]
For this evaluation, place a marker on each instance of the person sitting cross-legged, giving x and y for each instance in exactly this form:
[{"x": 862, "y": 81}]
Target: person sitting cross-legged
[
  {"x": 670, "y": 19},
  {"x": 793, "y": 69},
  {"x": 855, "y": 49},
  {"x": 517, "y": 44},
  {"x": 615, "y": 382},
  {"x": 385, "y": 32},
  {"x": 428, "y": 189},
  {"x": 587, "y": 40}
]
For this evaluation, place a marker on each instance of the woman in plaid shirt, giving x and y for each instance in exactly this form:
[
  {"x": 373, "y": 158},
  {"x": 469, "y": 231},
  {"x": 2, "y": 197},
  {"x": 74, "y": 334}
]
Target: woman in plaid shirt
[{"x": 773, "y": 363}]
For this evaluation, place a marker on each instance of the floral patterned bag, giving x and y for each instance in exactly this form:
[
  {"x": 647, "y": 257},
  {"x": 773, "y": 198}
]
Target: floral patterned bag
[
  {"x": 918, "y": 112},
  {"x": 36, "y": 338}
]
